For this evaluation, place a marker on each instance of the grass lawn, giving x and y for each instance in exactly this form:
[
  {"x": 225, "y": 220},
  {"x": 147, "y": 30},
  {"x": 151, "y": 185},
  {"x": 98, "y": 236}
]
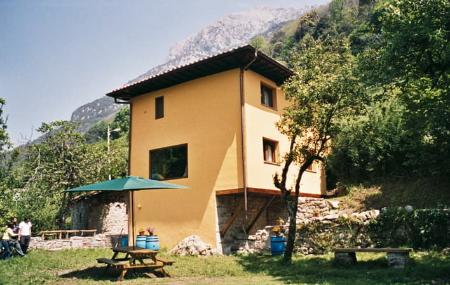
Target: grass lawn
[{"x": 79, "y": 267}]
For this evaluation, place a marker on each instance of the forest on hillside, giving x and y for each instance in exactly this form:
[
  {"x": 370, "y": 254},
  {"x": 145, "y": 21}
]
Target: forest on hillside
[
  {"x": 401, "y": 51},
  {"x": 397, "y": 56}
]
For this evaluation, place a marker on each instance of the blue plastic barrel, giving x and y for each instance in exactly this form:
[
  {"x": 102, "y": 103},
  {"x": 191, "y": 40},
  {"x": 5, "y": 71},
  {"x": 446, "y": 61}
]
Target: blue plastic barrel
[
  {"x": 152, "y": 243},
  {"x": 124, "y": 241},
  {"x": 140, "y": 241},
  {"x": 277, "y": 245}
]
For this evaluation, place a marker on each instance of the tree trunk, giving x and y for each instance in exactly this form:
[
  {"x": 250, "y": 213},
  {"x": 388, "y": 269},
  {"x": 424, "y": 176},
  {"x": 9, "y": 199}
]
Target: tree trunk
[
  {"x": 63, "y": 211},
  {"x": 292, "y": 205}
]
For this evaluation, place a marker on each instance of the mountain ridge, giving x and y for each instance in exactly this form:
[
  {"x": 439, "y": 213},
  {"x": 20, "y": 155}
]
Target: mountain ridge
[{"x": 230, "y": 31}]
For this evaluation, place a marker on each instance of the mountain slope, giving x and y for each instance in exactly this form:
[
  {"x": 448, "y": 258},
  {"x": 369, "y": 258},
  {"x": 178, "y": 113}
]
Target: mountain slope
[
  {"x": 230, "y": 31},
  {"x": 94, "y": 112}
]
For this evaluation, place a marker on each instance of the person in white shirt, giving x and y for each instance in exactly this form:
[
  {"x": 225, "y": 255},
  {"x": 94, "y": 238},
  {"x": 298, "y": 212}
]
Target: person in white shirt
[{"x": 25, "y": 234}]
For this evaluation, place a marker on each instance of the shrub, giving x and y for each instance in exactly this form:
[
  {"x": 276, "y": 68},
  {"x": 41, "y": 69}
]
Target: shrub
[{"x": 422, "y": 228}]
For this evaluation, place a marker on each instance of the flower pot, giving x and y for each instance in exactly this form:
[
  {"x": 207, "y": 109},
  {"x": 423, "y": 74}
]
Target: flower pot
[
  {"x": 152, "y": 242},
  {"x": 277, "y": 245},
  {"x": 140, "y": 241}
]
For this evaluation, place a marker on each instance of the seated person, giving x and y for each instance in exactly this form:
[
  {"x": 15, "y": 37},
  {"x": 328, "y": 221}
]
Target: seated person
[{"x": 8, "y": 242}]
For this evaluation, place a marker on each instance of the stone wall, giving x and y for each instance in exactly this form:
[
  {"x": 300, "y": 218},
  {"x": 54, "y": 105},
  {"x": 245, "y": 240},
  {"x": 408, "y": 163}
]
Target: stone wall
[
  {"x": 106, "y": 212},
  {"x": 97, "y": 241},
  {"x": 236, "y": 236},
  {"x": 321, "y": 226}
]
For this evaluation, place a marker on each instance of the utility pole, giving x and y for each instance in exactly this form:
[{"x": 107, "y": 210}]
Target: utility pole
[{"x": 108, "y": 142}]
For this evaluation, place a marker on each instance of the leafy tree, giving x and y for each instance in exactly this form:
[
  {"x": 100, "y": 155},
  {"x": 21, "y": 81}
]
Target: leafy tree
[
  {"x": 121, "y": 122},
  {"x": 55, "y": 164},
  {"x": 64, "y": 160},
  {"x": 323, "y": 91},
  {"x": 407, "y": 64},
  {"x": 5, "y": 197},
  {"x": 258, "y": 42},
  {"x": 97, "y": 132},
  {"x": 415, "y": 57},
  {"x": 4, "y": 138}
]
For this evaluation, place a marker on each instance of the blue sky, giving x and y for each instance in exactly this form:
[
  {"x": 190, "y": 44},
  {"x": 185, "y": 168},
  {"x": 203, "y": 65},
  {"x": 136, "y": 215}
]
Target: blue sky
[{"x": 57, "y": 55}]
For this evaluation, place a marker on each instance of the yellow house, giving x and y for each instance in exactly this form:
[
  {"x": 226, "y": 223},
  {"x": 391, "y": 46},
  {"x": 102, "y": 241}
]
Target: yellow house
[{"x": 210, "y": 125}]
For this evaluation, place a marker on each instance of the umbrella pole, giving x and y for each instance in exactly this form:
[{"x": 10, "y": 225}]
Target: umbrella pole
[{"x": 132, "y": 218}]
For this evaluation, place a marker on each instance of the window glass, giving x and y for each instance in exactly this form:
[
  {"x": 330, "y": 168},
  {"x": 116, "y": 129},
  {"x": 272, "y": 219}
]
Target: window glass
[
  {"x": 270, "y": 150},
  {"x": 267, "y": 96},
  {"x": 159, "y": 107},
  {"x": 169, "y": 163}
]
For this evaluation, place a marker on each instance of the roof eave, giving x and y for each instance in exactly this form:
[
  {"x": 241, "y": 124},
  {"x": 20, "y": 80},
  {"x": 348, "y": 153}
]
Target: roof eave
[{"x": 235, "y": 58}]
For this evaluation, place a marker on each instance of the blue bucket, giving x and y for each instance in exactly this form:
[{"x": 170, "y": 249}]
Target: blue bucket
[
  {"x": 140, "y": 241},
  {"x": 277, "y": 245},
  {"x": 152, "y": 243},
  {"x": 124, "y": 241}
]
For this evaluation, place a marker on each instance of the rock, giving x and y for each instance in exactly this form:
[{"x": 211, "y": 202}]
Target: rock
[
  {"x": 409, "y": 208},
  {"x": 331, "y": 217},
  {"x": 333, "y": 204},
  {"x": 192, "y": 245}
]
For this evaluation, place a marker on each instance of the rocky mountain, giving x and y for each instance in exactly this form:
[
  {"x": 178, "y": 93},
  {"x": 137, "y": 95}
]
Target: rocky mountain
[
  {"x": 93, "y": 112},
  {"x": 230, "y": 31}
]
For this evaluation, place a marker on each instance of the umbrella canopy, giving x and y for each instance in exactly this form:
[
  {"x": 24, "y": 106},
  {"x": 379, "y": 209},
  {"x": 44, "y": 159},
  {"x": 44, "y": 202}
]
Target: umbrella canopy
[{"x": 129, "y": 183}]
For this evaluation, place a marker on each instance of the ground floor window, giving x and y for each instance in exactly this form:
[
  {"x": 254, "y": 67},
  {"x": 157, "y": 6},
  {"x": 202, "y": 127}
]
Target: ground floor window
[{"x": 169, "y": 162}]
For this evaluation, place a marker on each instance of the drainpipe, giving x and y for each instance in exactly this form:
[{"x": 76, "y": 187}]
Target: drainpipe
[
  {"x": 131, "y": 193},
  {"x": 243, "y": 138}
]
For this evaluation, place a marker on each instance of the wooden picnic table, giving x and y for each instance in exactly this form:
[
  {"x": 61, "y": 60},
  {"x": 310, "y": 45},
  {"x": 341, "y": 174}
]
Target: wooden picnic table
[{"x": 136, "y": 258}]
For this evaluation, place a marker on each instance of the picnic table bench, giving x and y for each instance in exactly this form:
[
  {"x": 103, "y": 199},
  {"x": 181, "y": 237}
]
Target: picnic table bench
[
  {"x": 66, "y": 233},
  {"x": 145, "y": 259},
  {"x": 396, "y": 257}
]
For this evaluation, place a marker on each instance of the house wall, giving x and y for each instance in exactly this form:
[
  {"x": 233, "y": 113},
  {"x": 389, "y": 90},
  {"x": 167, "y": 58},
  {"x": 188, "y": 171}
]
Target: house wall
[
  {"x": 261, "y": 123},
  {"x": 205, "y": 114}
]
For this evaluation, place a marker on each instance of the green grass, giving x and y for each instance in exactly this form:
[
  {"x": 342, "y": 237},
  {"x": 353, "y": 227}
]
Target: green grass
[{"x": 79, "y": 267}]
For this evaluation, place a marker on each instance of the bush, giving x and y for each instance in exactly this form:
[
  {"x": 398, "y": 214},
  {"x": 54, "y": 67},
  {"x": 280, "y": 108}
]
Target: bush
[{"x": 421, "y": 229}]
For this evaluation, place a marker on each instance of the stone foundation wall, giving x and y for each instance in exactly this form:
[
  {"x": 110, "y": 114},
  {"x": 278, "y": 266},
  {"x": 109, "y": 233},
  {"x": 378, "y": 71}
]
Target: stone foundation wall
[
  {"x": 320, "y": 226},
  {"x": 236, "y": 236},
  {"x": 97, "y": 241},
  {"x": 106, "y": 212}
]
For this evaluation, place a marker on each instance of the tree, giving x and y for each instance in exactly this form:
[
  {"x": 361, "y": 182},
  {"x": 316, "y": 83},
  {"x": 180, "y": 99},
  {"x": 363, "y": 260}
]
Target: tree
[
  {"x": 121, "y": 122},
  {"x": 322, "y": 91},
  {"x": 97, "y": 132},
  {"x": 410, "y": 63},
  {"x": 54, "y": 165},
  {"x": 61, "y": 160},
  {"x": 4, "y": 143}
]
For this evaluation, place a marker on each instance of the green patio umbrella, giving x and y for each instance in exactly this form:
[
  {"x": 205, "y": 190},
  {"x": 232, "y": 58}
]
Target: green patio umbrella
[{"x": 129, "y": 183}]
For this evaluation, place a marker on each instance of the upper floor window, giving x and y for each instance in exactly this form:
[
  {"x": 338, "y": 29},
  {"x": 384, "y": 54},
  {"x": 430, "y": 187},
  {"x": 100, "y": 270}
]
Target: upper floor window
[
  {"x": 268, "y": 98},
  {"x": 159, "y": 107},
  {"x": 169, "y": 162},
  {"x": 311, "y": 167},
  {"x": 270, "y": 149}
]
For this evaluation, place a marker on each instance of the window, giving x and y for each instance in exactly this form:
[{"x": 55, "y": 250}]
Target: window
[
  {"x": 270, "y": 149},
  {"x": 169, "y": 162},
  {"x": 311, "y": 167},
  {"x": 159, "y": 107},
  {"x": 268, "y": 96}
]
